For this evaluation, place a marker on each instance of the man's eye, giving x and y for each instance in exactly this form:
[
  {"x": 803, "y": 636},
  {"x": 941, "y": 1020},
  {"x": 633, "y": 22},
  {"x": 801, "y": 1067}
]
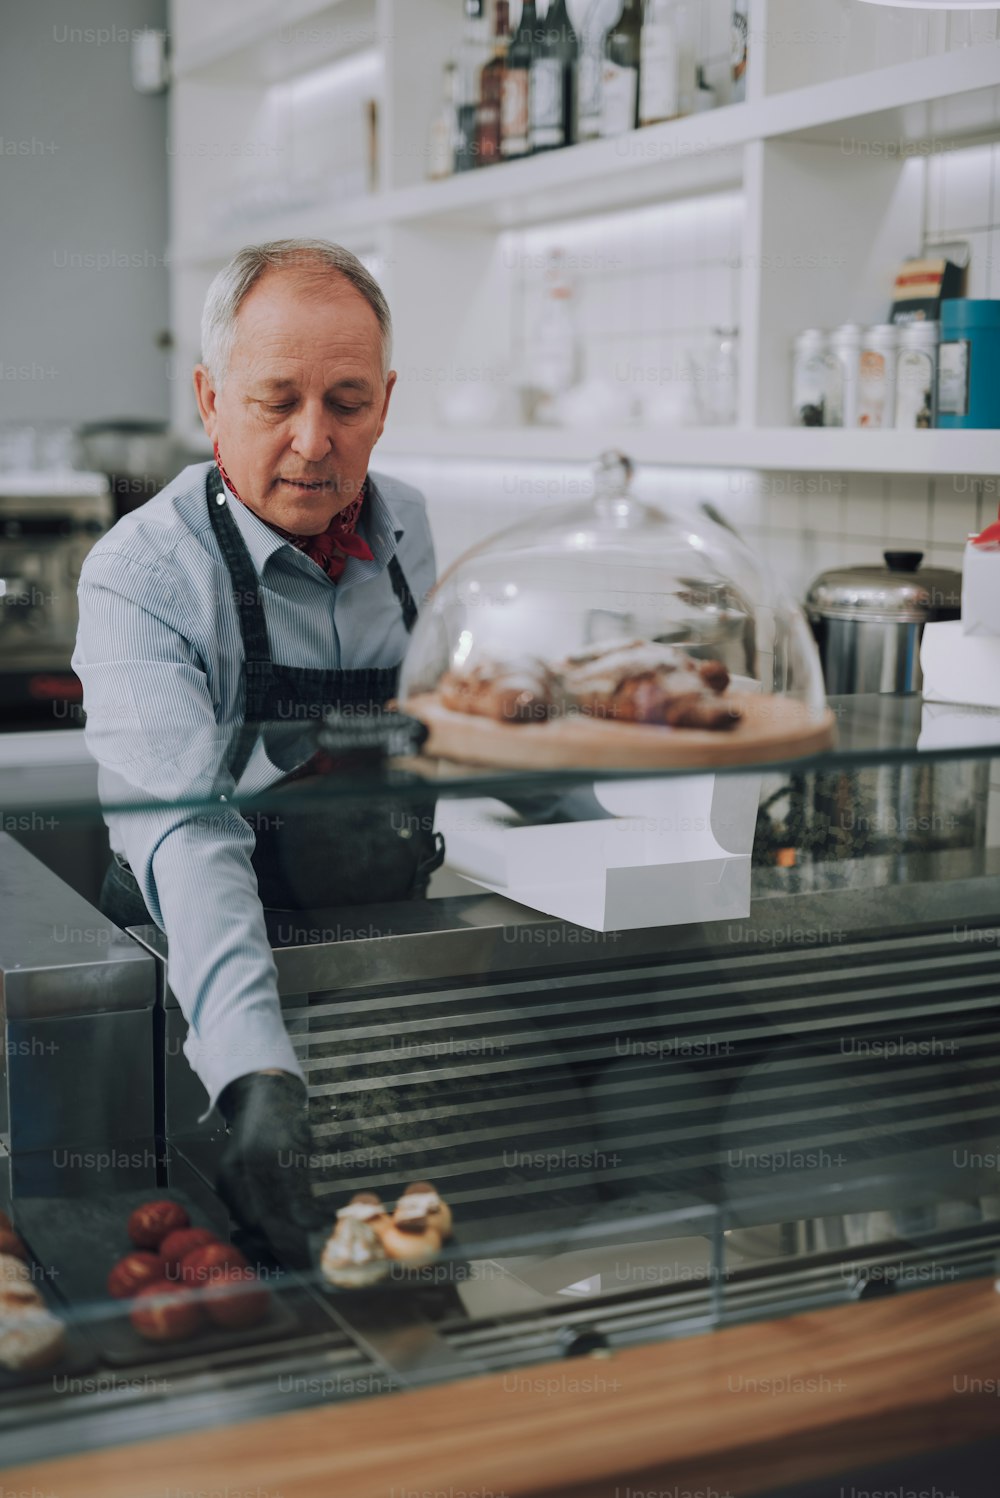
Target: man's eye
[
  {"x": 348, "y": 410},
  {"x": 279, "y": 410}
]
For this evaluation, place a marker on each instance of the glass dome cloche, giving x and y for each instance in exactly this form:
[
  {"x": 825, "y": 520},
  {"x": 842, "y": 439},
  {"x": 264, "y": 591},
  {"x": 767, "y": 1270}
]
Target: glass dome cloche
[{"x": 610, "y": 634}]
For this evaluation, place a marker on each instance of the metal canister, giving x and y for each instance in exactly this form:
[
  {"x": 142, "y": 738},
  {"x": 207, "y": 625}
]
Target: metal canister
[{"x": 868, "y": 622}]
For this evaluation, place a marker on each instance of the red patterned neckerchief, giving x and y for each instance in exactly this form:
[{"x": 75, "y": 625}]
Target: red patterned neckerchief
[{"x": 331, "y": 548}]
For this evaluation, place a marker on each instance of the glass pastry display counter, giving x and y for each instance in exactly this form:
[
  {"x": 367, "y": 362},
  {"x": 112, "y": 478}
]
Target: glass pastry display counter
[{"x": 644, "y": 1132}]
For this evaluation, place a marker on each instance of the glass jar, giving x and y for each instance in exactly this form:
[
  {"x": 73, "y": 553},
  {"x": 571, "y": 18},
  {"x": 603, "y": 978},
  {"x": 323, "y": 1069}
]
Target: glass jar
[
  {"x": 877, "y": 376},
  {"x": 812, "y": 373},
  {"x": 916, "y": 375}
]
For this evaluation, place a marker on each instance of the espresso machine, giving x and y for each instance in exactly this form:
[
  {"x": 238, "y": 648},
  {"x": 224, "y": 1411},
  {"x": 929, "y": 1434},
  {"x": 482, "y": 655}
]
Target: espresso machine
[{"x": 49, "y": 520}]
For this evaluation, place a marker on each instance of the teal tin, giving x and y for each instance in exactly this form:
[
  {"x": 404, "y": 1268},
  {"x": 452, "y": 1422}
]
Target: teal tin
[{"x": 969, "y": 364}]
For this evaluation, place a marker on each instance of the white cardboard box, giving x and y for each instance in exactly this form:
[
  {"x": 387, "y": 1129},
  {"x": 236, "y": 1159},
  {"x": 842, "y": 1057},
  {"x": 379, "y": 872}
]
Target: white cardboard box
[
  {"x": 959, "y": 667},
  {"x": 958, "y": 725},
  {"x": 672, "y": 851},
  {"x": 981, "y": 591}
]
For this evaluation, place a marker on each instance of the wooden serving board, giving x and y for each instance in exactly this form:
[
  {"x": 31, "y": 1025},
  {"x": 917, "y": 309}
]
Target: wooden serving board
[{"x": 771, "y": 728}]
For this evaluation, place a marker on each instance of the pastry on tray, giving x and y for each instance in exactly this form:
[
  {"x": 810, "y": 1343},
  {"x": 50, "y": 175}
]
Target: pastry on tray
[
  {"x": 30, "y": 1336},
  {"x": 353, "y": 1256},
  {"x": 524, "y": 691},
  {"x": 629, "y": 681},
  {"x": 367, "y": 1239}
]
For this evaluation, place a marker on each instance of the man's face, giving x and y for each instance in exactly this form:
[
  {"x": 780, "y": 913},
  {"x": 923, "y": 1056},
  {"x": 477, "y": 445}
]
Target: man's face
[{"x": 303, "y": 401}]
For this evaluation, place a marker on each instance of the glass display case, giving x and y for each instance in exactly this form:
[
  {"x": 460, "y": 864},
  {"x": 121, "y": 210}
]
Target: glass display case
[{"x": 644, "y": 1130}]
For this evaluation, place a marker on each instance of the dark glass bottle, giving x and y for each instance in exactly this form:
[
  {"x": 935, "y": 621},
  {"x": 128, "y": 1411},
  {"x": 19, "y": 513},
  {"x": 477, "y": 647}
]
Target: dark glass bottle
[
  {"x": 470, "y": 67},
  {"x": 488, "y": 116},
  {"x": 553, "y": 81},
  {"x": 515, "y": 116},
  {"x": 620, "y": 76}
]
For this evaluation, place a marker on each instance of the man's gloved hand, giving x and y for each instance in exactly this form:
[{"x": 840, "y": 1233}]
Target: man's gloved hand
[{"x": 264, "y": 1174}]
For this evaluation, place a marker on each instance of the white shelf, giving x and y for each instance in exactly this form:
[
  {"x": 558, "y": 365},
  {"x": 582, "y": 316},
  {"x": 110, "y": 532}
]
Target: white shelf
[
  {"x": 889, "y": 111},
  {"x": 794, "y": 449},
  {"x": 907, "y": 105},
  {"x": 830, "y": 208}
]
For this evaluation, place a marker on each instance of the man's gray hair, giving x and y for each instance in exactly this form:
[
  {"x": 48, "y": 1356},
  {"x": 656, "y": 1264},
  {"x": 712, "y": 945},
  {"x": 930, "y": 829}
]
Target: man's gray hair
[{"x": 236, "y": 280}]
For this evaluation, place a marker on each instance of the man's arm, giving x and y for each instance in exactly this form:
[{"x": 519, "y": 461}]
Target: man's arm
[{"x": 151, "y": 726}]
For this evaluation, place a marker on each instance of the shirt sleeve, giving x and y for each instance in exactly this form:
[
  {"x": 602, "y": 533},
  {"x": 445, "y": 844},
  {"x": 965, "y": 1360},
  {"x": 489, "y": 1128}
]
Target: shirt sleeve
[{"x": 166, "y": 795}]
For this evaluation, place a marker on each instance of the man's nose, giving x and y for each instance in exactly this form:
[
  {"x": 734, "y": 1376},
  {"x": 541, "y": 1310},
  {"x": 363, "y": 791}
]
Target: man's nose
[{"x": 312, "y": 434}]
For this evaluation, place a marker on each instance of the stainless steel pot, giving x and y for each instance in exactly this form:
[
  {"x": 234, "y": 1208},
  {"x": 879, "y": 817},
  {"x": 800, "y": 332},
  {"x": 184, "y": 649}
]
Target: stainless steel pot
[{"x": 868, "y": 621}]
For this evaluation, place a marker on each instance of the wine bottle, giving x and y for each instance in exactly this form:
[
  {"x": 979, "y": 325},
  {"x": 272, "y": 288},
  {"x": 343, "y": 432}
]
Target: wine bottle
[
  {"x": 620, "y": 73},
  {"x": 444, "y": 128},
  {"x": 488, "y": 115},
  {"x": 471, "y": 59},
  {"x": 515, "y": 117},
  {"x": 740, "y": 32},
  {"x": 553, "y": 81},
  {"x": 588, "y": 73},
  {"x": 659, "y": 70}
]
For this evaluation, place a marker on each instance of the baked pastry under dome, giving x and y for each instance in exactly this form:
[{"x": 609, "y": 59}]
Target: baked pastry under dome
[{"x": 611, "y": 632}]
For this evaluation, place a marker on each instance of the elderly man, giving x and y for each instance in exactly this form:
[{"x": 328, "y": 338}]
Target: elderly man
[{"x": 271, "y": 584}]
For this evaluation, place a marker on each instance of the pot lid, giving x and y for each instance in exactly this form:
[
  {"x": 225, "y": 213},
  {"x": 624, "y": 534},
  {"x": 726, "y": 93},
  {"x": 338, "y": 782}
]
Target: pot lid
[{"x": 900, "y": 591}]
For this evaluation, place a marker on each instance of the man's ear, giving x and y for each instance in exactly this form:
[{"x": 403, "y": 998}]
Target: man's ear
[
  {"x": 205, "y": 394},
  {"x": 389, "y": 383}
]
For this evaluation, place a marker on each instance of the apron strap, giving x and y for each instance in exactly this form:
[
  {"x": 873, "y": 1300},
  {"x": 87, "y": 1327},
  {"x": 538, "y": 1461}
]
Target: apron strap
[
  {"x": 243, "y": 574},
  {"x": 401, "y": 588}
]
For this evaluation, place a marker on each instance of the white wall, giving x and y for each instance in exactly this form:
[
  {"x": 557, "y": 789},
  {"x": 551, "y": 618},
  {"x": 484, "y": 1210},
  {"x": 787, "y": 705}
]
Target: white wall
[{"x": 83, "y": 208}]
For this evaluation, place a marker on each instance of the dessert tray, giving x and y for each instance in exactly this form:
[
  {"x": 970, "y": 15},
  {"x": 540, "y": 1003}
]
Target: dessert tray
[{"x": 770, "y": 729}]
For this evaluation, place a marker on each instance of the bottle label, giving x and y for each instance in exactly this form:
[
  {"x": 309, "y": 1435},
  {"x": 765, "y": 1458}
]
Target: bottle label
[
  {"x": 619, "y": 89},
  {"x": 660, "y": 74},
  {"x": 442, "y": 151},
  {"x": 872, "y": 389},
  {"x": 812, "y": 381},
  {"x": 915, "y": 389},
  {"x": 547, "y": 124},
  {"x": 738, "y": 45},
  {"x": 953, "y": 378},
  {"x": 465, "y": 141},
  {"x": 589, "y": 86},
  {"x": 515, "y": 120}
]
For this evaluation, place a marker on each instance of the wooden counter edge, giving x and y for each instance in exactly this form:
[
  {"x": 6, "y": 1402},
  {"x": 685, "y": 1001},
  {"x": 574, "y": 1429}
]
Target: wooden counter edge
[{"x": 732, "y": 1412}]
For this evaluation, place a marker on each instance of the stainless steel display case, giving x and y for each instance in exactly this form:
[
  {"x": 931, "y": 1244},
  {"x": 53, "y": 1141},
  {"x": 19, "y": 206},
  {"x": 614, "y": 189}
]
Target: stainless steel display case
[{"x": 78, "y": 1066}]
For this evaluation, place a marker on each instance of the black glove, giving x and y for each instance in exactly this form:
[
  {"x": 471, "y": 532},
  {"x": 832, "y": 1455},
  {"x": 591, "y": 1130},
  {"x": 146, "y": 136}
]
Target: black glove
[{"x": 264, "y": 1174}]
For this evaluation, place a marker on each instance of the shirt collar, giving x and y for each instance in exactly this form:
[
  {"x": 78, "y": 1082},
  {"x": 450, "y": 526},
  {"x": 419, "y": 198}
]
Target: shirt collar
[{"x": 378, "y": 524}]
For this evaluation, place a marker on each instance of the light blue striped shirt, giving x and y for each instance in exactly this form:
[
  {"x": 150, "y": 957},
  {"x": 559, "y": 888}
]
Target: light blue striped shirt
[{"x": 159, "y": 653}]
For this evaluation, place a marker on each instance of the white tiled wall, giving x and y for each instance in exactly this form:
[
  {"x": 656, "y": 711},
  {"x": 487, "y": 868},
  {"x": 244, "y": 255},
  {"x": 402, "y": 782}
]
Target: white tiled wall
[{"x": 649, "y": 286}]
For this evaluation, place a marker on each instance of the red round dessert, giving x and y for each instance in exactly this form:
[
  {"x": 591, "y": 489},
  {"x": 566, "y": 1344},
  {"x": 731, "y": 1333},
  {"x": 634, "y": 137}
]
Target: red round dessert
[
  {"x": 233, "y": 1296},
  {"x": 211, "y": 1262},
  {"x": 232, "y": 1303},
  {"x": 133, "y": 1273},
  {"x": 12, "y": 1243},
  {"x": 154, "y": 1221},
  {"x": 176, "y": 1246},
  {"x": 165, "y": 1313}
]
